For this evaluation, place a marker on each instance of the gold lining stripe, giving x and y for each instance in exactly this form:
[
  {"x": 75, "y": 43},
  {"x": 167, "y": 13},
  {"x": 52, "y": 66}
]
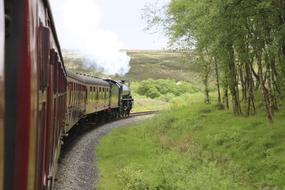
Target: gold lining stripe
[
  {"x": 34, "y": 103},
  {"x": 2, "y": 101}
]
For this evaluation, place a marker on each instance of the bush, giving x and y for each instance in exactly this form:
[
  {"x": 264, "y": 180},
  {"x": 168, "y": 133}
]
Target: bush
[
  {"x": 152, "y": 92},
  {"x": 163, "y": 88},
  {"x": 167, "y": 97}
]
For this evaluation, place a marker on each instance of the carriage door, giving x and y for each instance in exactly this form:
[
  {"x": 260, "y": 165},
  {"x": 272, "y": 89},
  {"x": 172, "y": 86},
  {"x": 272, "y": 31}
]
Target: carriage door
[
  {"x": 50, "y": 115},
  {"x": 43, "y": 62}
]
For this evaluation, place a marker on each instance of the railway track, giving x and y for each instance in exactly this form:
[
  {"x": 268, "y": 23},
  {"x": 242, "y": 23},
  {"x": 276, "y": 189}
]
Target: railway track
[
  {"x": 76, "y": 167},
  {"x": 87, "y": 126},
  {"x": 135, "y": 114}
]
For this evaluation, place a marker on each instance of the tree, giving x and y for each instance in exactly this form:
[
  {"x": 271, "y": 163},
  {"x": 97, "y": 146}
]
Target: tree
[{"x": 244, "y": 39}]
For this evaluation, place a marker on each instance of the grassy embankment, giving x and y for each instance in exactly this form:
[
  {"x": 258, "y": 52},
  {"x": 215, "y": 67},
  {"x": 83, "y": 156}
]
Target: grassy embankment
[
  {"x": 189, "y": 147},
  {"x": 194, "y": 146}
]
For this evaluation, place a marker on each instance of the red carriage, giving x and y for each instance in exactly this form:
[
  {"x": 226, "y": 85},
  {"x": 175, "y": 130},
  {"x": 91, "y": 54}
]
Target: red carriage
[{"x": 39, "y": 101}]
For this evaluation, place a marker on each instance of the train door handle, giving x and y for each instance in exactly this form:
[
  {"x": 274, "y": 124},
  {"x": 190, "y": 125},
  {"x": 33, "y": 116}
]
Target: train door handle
[{"x": 50, "y": 178}]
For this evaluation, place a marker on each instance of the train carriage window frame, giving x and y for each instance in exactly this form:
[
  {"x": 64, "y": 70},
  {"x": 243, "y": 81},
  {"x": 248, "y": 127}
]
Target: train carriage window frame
[
  {"x": 94, "y": 94},
  {"x": 74, "y": 94},
  {"x": 43, "y": 55},
  {"x": 55, "y": 77},
  {"x": 80, "y": 93},
  {"x": 69, "y": 91},
  {"x": 90, "y": 94},
  {"x": 97, "y": 93}
]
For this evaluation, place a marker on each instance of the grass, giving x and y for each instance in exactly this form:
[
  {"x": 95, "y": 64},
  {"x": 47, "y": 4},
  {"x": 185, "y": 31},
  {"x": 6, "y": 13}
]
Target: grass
[
  {"x": 194, "y": 146},
  {"x": 143, "y": 103}
]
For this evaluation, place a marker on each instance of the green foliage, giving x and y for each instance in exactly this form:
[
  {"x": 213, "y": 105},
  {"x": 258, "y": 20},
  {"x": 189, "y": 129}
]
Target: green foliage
[
  {"x": 163, "y": 88},
  {"x": 245, "y": 38}
]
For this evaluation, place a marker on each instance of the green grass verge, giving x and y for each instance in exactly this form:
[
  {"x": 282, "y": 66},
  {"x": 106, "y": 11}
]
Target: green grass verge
[
  {"x": 143, "y": 103},
  {"x": 194, "y": 147}
]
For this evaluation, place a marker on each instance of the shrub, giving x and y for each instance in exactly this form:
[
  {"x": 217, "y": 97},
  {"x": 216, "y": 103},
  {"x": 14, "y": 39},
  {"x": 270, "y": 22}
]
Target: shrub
[{"x": 158, "y": 88}]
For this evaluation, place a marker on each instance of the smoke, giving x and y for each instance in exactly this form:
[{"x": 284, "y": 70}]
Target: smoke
[{"x": 79, "y": 28}]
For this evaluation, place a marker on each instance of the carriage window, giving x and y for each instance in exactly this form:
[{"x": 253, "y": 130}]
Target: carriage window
[
  {"x": 53, "y": 57},
  {"x": 44, "y": 36},
  {"x": 92, "y": 94},
  {"x": 70, "y": 89},
  {"x": 74, "y": 94}
]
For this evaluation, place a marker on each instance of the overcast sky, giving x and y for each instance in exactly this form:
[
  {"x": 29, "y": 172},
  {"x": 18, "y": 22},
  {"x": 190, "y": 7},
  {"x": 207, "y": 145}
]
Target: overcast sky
[
  {"x": 124, "y": 18},
  {"x": 119, "y": 18}
]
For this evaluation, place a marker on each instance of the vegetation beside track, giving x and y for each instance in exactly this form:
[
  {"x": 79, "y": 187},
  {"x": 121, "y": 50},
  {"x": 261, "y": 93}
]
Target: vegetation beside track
[
  {"x": 194, "y": 146},
  {"x": 157, "y": 94}
]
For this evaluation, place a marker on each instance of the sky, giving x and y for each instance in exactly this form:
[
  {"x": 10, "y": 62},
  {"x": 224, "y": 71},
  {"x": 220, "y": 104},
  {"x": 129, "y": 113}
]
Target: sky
[
  {"x": 100, "y": 29},
  {"x": 123, "y": 18}
]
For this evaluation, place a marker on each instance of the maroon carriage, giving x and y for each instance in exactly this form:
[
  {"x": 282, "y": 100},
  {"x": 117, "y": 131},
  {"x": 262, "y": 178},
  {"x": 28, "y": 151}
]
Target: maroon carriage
[
  {"x": 86, "y": 96},
  {"x": 33, "y": 96},
  {"x": 33, "y": 116}
]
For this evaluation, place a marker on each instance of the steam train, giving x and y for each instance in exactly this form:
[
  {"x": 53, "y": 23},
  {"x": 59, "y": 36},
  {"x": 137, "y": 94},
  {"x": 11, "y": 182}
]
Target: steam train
[{"x": 40, "y": 101}]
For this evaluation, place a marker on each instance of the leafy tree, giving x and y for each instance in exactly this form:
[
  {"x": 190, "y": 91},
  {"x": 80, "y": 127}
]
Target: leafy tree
[{"x": 243, "y": 41}]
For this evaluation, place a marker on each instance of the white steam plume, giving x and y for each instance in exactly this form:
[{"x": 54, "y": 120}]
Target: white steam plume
[{"x": 79, "y": 28}]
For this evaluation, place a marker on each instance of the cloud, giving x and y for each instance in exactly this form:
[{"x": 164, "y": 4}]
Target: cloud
[{"x": 79, "y": 28}]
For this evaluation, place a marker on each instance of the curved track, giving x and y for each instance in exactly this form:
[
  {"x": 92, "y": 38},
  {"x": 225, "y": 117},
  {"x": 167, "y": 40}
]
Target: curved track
[
  {"x": 76, "y": 170},
  {"x": 143, "y": 113}
]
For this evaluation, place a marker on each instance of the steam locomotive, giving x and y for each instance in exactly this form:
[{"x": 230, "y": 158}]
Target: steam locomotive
[{"x": 40, "y": 101}]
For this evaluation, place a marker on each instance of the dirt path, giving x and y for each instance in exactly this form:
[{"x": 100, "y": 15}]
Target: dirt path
[{"x": 76, "y": 169}]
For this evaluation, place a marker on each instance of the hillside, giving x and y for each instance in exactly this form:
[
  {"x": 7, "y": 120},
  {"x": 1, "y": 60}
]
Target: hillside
[
  {"x": 144, "y": 65},
  {"x": 76, "y": 62},
  {"x": 163, "y": 65}
]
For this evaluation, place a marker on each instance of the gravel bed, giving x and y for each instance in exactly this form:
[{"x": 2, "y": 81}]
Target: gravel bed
[{"x": 76, "y": 168}]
